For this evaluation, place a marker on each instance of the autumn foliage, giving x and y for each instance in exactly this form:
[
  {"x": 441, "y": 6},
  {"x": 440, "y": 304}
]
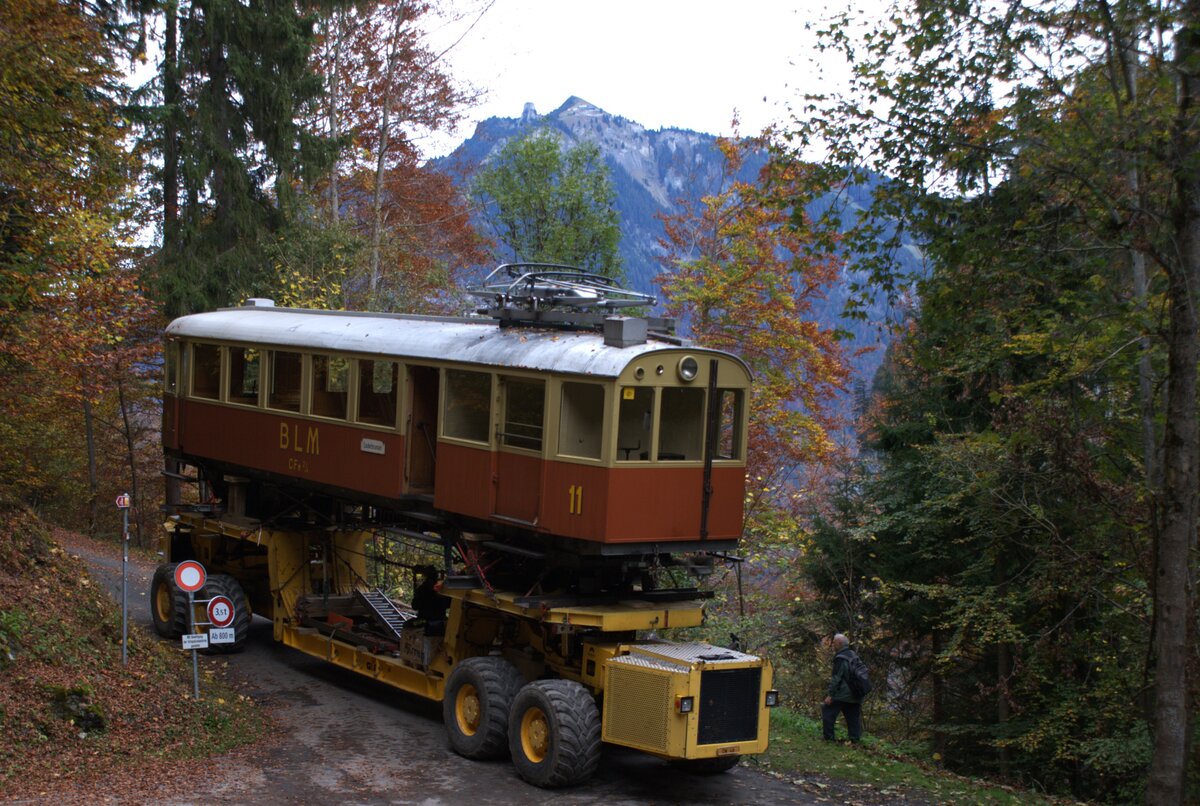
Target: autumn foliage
[{"x": 743, "y": 277}]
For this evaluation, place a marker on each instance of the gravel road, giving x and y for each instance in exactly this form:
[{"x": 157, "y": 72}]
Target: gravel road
[{"x": 345, "y": 739}]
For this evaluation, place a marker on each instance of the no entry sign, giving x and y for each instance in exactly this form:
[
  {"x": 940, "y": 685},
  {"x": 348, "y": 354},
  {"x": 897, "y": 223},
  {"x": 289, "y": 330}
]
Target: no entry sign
[
  {"x": 220, "y": 611},
  {"x": 189, "y": 576}
]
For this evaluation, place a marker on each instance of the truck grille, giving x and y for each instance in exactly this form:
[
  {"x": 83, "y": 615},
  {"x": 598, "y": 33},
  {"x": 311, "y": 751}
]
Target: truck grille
[{"x": 728, "y": 707}]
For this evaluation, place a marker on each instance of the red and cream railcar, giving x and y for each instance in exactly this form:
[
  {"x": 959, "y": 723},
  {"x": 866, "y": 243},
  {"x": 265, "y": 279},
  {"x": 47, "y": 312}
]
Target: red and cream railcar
[{"x": 619, "y": 446}]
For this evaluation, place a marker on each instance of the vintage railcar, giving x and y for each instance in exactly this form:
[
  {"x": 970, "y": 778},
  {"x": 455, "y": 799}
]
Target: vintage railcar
[
  {"x": 606, "y": 443},
  {"x": 554, "y": 459}
]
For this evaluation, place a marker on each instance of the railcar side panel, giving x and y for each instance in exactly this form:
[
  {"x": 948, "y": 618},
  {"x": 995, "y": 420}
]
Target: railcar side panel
[
  {"x": 663, "y": 503},
  {"x": 518, "y": 480},
  {"x": 464, "y": 480},
  {"x": 321, "y": 452},
  {"x": 575, "y": 500}
]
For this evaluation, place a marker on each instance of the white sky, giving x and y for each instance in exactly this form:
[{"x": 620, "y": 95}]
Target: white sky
[{"x": 660, "y": 63}]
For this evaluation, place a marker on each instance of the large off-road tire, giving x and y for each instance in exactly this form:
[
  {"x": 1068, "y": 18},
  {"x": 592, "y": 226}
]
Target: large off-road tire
[
  {"x": 554, "y": 733},
  {"x": 225, "y": 585},
  {"x": 168, "y": 604},
  {"x": 479, "y": 694},
  {"x": 708, "y": 766}
]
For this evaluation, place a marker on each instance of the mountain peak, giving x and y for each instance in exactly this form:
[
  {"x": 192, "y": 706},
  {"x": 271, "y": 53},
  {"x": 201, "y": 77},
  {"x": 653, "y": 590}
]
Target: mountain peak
[{"x": 576, "y": 103}]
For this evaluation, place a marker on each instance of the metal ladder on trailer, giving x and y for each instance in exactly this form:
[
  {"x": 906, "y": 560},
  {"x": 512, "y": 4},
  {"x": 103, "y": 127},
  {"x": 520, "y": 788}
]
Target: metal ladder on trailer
[{"x": 383, "y": 611}]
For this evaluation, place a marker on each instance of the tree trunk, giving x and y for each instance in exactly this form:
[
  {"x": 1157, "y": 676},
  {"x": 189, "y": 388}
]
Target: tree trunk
[
  {"x": 380, "y": 170},
  {"x": 93, "y": 476},
  {"x": 1172, "y": 599},
  {"x": 937, "y": 714},
  {"x": 131, "y": 456},
  {"x": 170, "y": 130},
  {"x": 335, "y": 80},
  {"x": 1003, "y": 670}
]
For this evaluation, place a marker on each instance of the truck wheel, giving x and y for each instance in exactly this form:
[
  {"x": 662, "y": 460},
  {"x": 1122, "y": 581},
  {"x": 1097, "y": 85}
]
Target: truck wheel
[
  {"x": 708, "y": 766},
  {"x": 479, "y": 694},
  {"x": 168, "y": 604},
  {"x": 554, "y": 733},
  {"x": 225, "y": 585}
]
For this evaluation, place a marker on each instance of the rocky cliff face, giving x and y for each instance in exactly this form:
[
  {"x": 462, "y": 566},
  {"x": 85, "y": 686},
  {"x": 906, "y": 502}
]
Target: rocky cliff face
[{"x": 651, "y": 172}]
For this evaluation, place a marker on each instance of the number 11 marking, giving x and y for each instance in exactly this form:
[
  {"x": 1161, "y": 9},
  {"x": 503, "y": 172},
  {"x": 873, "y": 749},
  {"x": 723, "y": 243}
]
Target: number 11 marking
[{"x": 575, "y": 499}]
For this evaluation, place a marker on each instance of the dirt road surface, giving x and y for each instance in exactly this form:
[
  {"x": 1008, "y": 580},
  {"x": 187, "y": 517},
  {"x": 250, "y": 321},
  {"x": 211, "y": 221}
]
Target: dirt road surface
[{"x": 342, "y": 738}]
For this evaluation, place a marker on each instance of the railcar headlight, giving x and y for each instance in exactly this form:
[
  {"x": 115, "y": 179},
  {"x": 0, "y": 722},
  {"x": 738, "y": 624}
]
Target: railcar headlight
[
  {"x": 685, "y": 705},
  {"x": 772, "y": 698},
  {"x": 688, "y": 368}
]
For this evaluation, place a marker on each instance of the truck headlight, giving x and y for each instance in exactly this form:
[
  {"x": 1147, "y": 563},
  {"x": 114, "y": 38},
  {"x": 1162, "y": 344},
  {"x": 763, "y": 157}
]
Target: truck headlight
[
  {"x": 685, "y": 705},
  {"x": 772, "y": 698}
]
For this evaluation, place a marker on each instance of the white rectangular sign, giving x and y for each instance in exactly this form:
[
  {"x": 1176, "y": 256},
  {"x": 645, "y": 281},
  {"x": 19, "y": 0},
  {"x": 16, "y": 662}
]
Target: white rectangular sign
[
  {"x": 199, "y": 641},
  {"x": 373, "y": 446},
  {"x": 221, "y": 635}
]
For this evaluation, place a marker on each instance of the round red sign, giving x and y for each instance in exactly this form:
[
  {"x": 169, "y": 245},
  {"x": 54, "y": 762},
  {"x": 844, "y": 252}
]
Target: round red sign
[
  {"x": 189, "y": 576},
  {"x": 220, "y": 611}
]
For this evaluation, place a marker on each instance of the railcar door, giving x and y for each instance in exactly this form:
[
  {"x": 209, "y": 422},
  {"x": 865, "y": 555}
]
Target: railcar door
[
  {"x": 171, "y": 394},
  {"x": 422, "y": 430},
  {"x": 519, "y": 449}
]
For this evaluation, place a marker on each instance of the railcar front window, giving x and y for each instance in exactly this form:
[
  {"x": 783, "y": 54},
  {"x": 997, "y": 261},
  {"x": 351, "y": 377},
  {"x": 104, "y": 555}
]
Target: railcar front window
[
  {"x": 377, "y": 392},
  {"x": 468, "y": 405},
  {"x": 206, "y": 371},
  {"x": 524, "y": 413},
  {"x": 729, "y": 429},
  {"x": 330, "y": 391},
  {"x": 681, "y": 428},
  {"x": 244, "y": 366},
  {"x": 633, "y": 427},
  {"x": 287, "y": 369},
  {"x": 581, "y": 420}
]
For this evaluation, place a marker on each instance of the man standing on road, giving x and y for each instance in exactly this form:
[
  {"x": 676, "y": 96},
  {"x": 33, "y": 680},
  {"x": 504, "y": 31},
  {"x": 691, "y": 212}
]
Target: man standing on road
[{"x": 840, "y": 698}]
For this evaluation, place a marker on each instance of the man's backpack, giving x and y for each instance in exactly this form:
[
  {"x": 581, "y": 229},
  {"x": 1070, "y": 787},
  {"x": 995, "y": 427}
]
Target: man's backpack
[{"x": 858, "y": 678}]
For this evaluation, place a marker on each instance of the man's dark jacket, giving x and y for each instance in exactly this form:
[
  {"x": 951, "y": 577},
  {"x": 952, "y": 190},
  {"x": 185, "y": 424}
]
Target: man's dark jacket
[{"x": 839, "y": 684}]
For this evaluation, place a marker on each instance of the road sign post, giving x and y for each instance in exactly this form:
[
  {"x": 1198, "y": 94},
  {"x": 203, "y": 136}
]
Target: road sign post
[
  {"x": 190, "y": 576},
  {"x": 123, "y": 505},
  {"x": 220, "y": 616}
]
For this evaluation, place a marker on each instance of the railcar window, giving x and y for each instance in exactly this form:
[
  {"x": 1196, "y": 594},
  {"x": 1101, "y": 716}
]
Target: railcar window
[
  {"x": 171, "y": 368},
  {"x": 524, "y": 413},
  {"x": 633, "y": 427},
  {"x": 377, "y": 392},
  {"x": 468, "y": 405},
  {"x": 729, "y": 430},
  {"x": 581, "y": 420},
  {"x": 681, "y": 425},
  {"x": 286, "y": 370},
  {"x": 206, "y": 371},
  {"x": 330, "y": 392},
  {"x": 244, "y": 365}
]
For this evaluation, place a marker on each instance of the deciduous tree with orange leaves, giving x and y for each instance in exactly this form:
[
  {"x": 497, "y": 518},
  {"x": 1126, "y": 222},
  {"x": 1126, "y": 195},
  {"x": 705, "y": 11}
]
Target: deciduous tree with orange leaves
[
  {"x": 743, "y": 273},
  {"x": 385, "y": 88}
]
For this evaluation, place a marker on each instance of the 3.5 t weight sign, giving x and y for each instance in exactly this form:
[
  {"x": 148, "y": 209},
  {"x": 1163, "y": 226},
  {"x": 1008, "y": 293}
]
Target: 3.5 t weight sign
[{"x": 220, "y": 611}]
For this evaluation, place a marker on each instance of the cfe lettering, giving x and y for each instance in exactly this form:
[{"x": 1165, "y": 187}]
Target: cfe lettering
[{"x": 290, "y": 439}]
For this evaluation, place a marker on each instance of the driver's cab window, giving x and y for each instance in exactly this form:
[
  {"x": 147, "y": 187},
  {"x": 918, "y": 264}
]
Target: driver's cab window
[
  {"x": 681, "y": 436},
  {"x": 635, "y": 420}
]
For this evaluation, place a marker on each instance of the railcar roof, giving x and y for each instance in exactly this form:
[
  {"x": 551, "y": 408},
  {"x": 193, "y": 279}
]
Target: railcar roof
[{"x": 471, "y": 341}]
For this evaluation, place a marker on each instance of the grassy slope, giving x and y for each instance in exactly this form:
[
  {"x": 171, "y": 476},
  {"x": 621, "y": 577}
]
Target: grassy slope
[
  {"x": 872, "y": 772},
  {"x": 70, "y": 713}
]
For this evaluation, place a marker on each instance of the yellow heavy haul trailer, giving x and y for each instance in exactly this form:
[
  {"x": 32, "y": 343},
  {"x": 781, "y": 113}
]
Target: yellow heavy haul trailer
[{"x": 543, "y": 681}]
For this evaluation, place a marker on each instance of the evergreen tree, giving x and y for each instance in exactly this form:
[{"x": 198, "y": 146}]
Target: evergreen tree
[
  {"x": 997, "y": 548},
  {"x": 1097, "y": 101},
  {"x": 232, "y": 148}
]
